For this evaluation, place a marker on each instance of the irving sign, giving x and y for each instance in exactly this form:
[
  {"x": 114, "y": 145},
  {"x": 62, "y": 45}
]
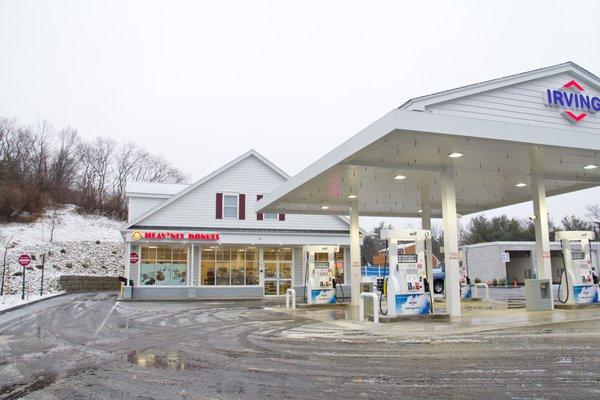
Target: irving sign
[
  {"x": 574, "y": 102},
  {"x": 137, "y": 235}
]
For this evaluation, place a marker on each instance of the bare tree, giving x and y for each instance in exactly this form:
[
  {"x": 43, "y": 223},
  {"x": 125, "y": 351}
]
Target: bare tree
[
  {"x": 34, "y": 173},
  {"x": 103, "y": 156},
  {"x": 64, "y": 164},
  {"x": 593, "y": 213},
  {"x": 54, "y": 220},
  {"x": 6, "y": 243}
]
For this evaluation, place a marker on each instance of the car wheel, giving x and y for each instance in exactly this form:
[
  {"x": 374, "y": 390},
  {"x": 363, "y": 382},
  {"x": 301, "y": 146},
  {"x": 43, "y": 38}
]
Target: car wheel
[{"x": 438, "y": 287}]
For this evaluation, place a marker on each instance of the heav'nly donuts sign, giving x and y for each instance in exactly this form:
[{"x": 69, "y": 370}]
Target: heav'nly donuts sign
[{"x": 575, "y": 104}]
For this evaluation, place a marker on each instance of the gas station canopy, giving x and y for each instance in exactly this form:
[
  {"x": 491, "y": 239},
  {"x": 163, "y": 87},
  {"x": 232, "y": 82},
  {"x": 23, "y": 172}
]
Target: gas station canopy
[{"x": 494, "y": 135}]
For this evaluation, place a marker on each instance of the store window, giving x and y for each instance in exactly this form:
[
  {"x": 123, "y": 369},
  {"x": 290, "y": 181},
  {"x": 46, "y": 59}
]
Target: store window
[
  {"x": 224, "y": 266},
  {"x": 339, "y": 266},
  {"x": 230, "y": 206},
  {"x": 163, "y": 266}
]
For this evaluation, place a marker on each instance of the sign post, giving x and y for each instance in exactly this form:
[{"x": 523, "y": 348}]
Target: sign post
[
  {"x": 24, "y": 260},
  {"x": 42, "y": 278}
]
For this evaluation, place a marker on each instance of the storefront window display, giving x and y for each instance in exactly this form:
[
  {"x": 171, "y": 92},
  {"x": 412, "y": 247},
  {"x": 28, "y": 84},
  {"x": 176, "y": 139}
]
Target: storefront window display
[
  {"x": 163, "y": 266},
  {"x": 224, "y": 266}
]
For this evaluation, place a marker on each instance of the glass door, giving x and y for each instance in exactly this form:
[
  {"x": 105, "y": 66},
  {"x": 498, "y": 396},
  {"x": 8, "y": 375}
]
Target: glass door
[
  {"x": 285, "y": 277},
  {"x": 278, "y": 277},
  {"x": 271, "y": 278}
]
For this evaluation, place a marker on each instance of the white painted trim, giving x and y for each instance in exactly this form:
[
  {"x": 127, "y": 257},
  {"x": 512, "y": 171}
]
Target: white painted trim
[
  {"x": 163, "y": 286},
  {"x": 237, "y": 205}
]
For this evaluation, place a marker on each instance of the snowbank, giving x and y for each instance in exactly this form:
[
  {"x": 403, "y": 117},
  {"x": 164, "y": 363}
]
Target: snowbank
[{"x": 13, "y": 300}]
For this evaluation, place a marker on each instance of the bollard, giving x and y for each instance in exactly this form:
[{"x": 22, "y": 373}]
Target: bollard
[
  {"x": 290, "y": 292},
  {"x": 361, "y": 306},
  {"x": 483, "y": 285}
]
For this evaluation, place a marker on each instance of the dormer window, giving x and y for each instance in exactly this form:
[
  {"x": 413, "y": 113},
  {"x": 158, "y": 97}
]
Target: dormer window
[
  {"x": 271, "y": 216},
  {"x": 230, "y": 206}
]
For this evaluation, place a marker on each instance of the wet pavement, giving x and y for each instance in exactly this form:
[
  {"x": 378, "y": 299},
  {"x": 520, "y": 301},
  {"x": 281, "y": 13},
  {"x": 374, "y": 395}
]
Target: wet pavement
[{"x": 90, "y": 346}]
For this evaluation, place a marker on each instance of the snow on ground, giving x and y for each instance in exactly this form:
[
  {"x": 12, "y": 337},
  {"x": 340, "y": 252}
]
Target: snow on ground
[
  {"x": 81, "y": 245},
  {"x": 12, "y": 300},
  {"x": 69, "y": 227}
]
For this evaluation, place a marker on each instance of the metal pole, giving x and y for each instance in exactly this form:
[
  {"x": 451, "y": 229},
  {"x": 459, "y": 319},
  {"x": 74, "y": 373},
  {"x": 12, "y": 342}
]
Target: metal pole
[
  {"x": 23, "y": 290},
  {"x": 42, "y": 279}
]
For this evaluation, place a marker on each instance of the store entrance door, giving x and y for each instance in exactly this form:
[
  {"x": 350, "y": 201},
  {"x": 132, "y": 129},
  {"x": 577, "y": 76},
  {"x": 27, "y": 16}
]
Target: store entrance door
[{"x": 278, "y": 277}]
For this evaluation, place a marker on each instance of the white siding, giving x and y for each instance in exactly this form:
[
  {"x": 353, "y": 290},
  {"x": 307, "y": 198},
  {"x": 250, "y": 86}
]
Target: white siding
[
  {"x": 139, "y": 205},
  {"x": 522, "y": 103},
  {"x": 251, "y": 177}
]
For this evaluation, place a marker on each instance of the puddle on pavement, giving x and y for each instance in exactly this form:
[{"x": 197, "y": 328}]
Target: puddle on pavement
[{"x": 170, "y": 360}]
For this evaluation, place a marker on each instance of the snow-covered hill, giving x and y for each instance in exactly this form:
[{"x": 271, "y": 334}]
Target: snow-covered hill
[{"x": 81, "y": 245}]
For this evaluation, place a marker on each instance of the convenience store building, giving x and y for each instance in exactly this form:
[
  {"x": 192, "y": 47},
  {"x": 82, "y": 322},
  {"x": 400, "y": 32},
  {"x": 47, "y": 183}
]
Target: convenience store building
[{"x": 205, "y": 240}]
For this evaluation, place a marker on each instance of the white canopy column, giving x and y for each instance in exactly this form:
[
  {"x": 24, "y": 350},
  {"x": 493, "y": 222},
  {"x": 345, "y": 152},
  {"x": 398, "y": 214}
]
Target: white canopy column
[
  {"x": 354, "y": 254},
  {"x": 542, "y": 236},
  {"x": 451, "y": 255}
]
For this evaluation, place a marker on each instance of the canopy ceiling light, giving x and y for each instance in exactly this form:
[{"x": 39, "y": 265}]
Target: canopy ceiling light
[
  {"x": 352, "y": 196},
  {"x": 455, "y": 155},
  {"x": 521, "y": 184},
  {"x": 590, "y": 166},
  {"x": 399, "y": 177}
]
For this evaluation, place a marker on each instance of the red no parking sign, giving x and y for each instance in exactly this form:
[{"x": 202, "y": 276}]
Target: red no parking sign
[
  {"x": 134, "y": 258},
  {"x": 24, "y": 260}
]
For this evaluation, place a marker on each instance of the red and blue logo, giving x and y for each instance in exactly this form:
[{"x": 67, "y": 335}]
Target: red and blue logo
[{"x": 576, "y": 105}]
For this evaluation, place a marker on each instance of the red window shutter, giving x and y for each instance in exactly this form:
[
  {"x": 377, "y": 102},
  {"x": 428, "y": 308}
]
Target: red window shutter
[
  {"x": 219, "y": 207},
  {"x": 282, "y": 217},
  {"x": 259, "y": 216},
  {"x": 242, "y": 206}
]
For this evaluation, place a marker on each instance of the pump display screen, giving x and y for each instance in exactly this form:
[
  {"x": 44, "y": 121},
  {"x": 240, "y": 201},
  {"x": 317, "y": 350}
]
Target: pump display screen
[
  {"x": 577, "y": 255},
  {"x": 407, "y": 258},
  {"x": 321, "y": 265}
]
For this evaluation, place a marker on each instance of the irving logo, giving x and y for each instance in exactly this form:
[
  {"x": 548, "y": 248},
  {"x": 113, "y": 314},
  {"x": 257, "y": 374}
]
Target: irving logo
[{"x": 571, "y": 98}]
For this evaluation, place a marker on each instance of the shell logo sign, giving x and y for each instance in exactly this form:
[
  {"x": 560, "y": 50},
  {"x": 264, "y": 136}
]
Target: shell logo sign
[{"x": 576, "y": 105}]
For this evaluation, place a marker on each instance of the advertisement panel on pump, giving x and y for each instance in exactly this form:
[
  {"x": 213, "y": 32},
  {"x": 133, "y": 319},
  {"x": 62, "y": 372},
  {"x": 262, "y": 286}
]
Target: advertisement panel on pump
[{"x": 585, "y": 294}]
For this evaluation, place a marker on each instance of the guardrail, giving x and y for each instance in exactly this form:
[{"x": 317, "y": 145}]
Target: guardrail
[
  {"x": 361, "y": 306},
  {"x": 481, "y": 285},
  {"x": 290, "y": 292}
]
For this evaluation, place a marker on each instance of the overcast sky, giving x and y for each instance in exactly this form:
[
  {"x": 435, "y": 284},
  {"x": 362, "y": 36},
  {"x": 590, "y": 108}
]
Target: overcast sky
[{"x": 203, "y": 82}]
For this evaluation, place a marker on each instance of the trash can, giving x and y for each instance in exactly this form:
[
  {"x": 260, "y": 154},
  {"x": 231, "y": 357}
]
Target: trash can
[{"x": 538, "y": 295}]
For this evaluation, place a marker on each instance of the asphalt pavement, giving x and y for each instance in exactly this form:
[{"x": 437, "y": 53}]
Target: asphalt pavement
[{"x": 91, "y": 346}]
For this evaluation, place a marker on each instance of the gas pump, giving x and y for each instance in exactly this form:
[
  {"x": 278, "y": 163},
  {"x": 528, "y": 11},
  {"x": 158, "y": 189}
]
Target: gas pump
[
  {"x": 405, "y": 289},
  {"x": 577, "y": 284},
  {"x": 319, "y": 277}
]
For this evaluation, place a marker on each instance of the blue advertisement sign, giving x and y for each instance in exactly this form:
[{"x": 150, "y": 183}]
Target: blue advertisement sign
[
  {"x": 322, "y": 296},
  {"x": 466, "y": 292},
  {"x": 412, "y": 304},
  {"x": 585, "y": 294}
]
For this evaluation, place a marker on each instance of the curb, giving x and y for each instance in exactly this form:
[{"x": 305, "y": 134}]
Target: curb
[{"x": 18, "y": 306}]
